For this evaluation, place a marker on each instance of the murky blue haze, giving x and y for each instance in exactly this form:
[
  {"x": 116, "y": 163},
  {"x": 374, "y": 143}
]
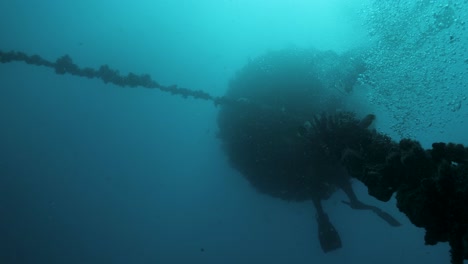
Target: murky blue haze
[{"x": 95, "y": 173}]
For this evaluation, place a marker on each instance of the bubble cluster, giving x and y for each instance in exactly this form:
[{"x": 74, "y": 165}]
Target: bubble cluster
[{"x": 416, "y": 67}]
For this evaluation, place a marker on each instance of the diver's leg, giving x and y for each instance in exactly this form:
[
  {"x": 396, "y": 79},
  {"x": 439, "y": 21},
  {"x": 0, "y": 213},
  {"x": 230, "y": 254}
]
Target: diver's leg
[
  {"x": 328, "y": 236},
  {"x": 318, "y": 207},
  {"x": 354, "y": 203}
]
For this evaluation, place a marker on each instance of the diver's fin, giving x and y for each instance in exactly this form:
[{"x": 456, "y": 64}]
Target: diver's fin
[
  {"x": 385, "y": 216},
  {"x": 329, "y": 238},
  {"x": 379, "y": 212}
]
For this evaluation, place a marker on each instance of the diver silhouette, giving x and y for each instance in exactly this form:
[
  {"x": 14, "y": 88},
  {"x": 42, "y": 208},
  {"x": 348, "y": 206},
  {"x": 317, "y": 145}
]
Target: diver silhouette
[{"x": 329, "y": 175}]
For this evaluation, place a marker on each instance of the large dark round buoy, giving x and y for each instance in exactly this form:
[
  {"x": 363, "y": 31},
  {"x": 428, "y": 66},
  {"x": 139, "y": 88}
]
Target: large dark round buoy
[{"x": 276, "y": 94}]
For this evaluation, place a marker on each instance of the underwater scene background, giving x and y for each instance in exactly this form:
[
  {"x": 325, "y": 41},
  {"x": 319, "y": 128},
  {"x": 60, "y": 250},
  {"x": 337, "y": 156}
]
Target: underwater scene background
[{"x": 96, "y": 173}]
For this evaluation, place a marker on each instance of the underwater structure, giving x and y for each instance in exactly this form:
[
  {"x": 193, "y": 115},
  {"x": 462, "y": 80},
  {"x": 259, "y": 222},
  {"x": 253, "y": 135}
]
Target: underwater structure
[
  {"x": 285, "y": 129},
  {"x": 264, "y": 138}
]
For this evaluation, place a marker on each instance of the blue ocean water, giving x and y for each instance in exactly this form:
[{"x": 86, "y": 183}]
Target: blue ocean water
[{"x": 95, "y": 173}]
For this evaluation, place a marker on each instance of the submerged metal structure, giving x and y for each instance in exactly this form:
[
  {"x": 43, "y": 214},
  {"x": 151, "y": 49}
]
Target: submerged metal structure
[{"x": 291, "y": 142}]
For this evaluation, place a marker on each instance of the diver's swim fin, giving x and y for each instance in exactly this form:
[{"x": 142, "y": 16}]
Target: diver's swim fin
[
  {"x": 328, "y": 236},
  {"x": 379, "y": 212},
  {"x": 385, "y": 216}
]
